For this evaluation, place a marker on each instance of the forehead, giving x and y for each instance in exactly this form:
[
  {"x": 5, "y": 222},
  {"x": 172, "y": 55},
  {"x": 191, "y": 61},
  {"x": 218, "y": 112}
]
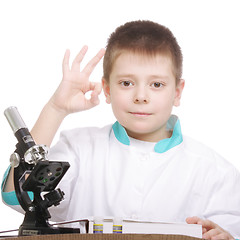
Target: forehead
[{"x": 128, "y": 62}]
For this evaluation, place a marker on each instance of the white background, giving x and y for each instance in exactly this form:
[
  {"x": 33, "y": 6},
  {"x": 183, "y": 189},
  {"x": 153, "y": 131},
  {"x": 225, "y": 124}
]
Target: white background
[{"x": 35, "y": 34}]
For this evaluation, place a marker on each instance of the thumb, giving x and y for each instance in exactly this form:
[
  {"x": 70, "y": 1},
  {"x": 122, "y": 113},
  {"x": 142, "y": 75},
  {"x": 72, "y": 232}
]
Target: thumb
[
  {"x": 193, "y": 220},
  {"x": 96, "y": 90},
  {"x": 196, "y": 220}
]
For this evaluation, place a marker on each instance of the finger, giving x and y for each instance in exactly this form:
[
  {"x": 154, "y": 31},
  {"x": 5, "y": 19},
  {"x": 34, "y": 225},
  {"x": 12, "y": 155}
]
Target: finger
[
  {"x": 65, "y": 63},
  {"x": 96, "y": 87},
  {"x": 210, "y": 234},
  {"x": 224, "y": 236},
  {"x": 204, "y": 222},
  {"x": 208, "y": 224},
  {"x": 92, "y": 64},
  {"x": 193, "y": 220},
  {"x": 204, "y": 230},
  {"x": 78, "y": 59},
  {"x": 90, "y": 103},
  {"x": 95, "y": 93}
]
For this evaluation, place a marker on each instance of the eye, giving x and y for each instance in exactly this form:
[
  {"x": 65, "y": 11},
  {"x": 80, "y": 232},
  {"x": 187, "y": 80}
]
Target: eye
[
  {"x": 156, "y": 84},
  {"x": 126, "y": 83}
]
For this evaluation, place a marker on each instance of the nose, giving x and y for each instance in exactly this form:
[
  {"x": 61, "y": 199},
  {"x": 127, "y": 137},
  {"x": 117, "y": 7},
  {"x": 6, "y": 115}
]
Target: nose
[{"x": 141, "y": 96}]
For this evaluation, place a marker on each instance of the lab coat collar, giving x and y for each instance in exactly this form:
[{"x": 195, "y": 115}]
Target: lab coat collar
[{"x": 161, "y": 146}]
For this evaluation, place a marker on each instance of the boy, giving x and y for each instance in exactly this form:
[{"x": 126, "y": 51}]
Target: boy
[{"x": 141, "y": 166}]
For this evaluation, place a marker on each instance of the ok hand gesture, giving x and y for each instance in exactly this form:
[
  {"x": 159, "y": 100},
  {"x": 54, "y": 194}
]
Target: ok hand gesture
[{"x": 70, "y": 95}]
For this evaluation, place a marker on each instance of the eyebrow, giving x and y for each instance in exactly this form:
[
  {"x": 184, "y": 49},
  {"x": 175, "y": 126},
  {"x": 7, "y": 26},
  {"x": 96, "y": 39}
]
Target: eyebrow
[{"x": 150, "y": 76}]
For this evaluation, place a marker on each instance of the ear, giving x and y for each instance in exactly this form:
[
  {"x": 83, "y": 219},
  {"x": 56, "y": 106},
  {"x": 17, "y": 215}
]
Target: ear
[
  {"x": 106, "y": 90},
  {"x": 178, "y": 92}
]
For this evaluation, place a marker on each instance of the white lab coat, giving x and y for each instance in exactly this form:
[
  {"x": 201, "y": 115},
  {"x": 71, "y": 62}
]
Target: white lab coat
[{"x": 109, "y": 177}]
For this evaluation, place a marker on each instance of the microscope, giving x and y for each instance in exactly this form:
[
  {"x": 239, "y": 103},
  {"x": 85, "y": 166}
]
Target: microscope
[{"x": 33, "y": 172}]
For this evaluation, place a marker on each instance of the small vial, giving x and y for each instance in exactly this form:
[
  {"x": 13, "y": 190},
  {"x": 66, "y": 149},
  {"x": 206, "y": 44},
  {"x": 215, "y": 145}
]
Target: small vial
[
  {"x": 98, "y": 225},
  {"x": 117, "y": 225}
]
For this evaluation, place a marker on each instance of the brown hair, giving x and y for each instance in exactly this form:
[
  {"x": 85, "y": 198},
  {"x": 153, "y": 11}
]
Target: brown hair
[{"x": 144, "y": 37}]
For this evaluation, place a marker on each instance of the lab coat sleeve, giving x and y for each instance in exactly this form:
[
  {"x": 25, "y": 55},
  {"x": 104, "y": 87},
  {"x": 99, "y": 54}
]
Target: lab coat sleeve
[
  {"x": 223, "y": 206},
  {"x": 63, "y": 151}
]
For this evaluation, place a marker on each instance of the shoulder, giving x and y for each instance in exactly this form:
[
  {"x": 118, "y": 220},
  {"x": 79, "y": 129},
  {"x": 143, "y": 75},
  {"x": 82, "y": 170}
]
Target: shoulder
[
  {"x": 78, "y": 140},
  {"x": 207, "y": 159},
  {"x": 197, "y": 148},
  {"x": 83, "y": 140},
  {"x": 204, "y": 155},
  {"x": 85, "y": 134},
  {"x": 211, "y": 169}
]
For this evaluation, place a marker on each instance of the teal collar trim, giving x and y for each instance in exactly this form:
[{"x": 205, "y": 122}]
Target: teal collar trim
[
  {"x": 120, "y": 133},
  {"x": 176, "y": 138},
  {"x": 161, "y": 146}
]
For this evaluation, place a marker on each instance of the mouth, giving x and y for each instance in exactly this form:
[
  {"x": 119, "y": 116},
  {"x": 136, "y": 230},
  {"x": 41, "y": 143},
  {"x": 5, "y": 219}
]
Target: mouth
[{"x": 140, "y": 114}]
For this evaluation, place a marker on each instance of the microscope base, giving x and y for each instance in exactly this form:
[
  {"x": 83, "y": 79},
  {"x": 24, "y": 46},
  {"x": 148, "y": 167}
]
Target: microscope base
[{"x": 29, "y": 231}]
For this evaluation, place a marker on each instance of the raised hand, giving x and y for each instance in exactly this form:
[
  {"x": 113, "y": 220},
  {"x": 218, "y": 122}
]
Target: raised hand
[{"x": 70, "y": 95}]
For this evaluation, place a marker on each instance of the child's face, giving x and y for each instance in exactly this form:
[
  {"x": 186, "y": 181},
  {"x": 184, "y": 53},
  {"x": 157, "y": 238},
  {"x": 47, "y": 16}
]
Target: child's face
[{"x": 142, "y": 91}]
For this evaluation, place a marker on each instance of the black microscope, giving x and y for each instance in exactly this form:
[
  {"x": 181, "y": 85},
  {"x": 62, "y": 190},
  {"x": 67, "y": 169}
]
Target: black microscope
[{"x": 33, "y": 172}]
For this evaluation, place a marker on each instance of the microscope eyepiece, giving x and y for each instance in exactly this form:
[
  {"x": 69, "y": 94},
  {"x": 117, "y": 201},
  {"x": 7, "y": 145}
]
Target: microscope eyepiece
[
  {"x": 14, "y": 119},
  {"x": 21, "y": 132}
]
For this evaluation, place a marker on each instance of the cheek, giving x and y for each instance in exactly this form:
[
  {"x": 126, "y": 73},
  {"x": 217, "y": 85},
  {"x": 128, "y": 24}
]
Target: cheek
[
  {"x": 118, "y": 97},
  {"x": 164, "y": 100},
  {"x": 118, "y": 101},
  {"x": 119, "y": 107}
]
